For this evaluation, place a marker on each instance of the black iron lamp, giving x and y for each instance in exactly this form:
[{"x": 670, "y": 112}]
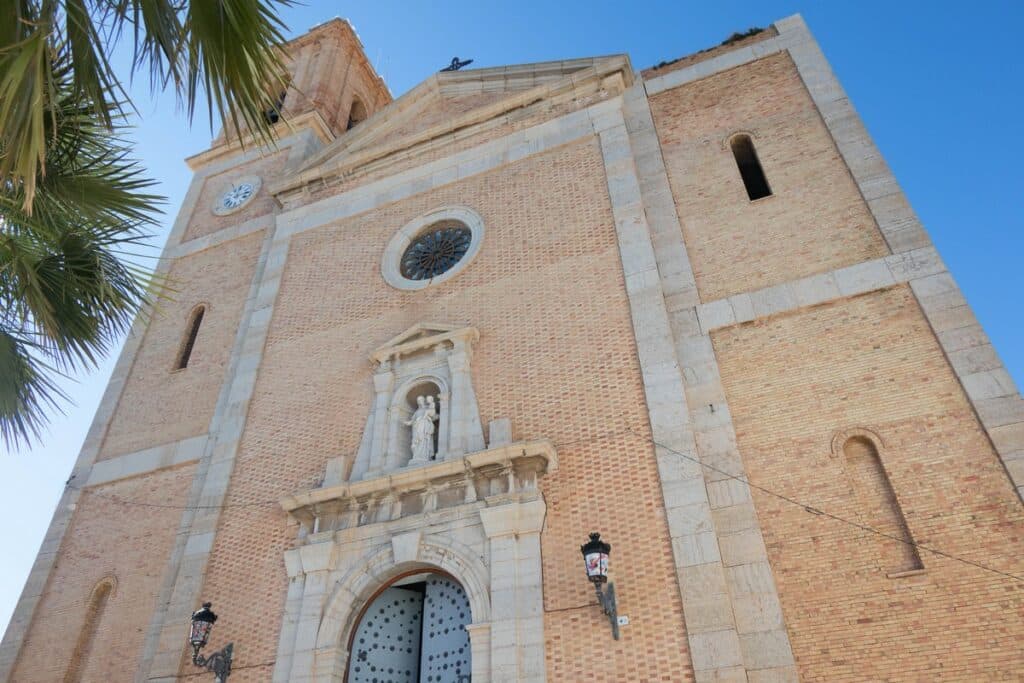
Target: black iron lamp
[
  {"x": 595, "y": 559},
  {"x": 219, "y": 662}
]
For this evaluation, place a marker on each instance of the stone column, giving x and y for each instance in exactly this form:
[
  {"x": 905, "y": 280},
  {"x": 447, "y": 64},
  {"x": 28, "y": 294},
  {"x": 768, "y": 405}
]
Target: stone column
[
  {"x": 517, "y": 599},
  {"x": 292, "y": 612}
]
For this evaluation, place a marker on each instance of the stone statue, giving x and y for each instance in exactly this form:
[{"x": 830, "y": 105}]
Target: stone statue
[{"x": 422, "y": 424}]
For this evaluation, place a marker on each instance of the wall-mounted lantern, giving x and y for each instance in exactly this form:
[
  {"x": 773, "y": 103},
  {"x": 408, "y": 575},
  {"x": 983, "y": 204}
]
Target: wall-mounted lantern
[
  {"x": 595, "y": 559},
  {"x": 219, "y": 662}
]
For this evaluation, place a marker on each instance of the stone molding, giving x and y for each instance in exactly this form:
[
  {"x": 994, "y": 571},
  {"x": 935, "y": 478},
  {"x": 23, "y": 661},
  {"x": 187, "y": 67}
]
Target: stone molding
[
  {"x": 228, "y": 153},
  {"x": 588, "y": 74},
  {"x": 357, "y": 538},
  {"x": 146, "y": 461},
  {"x": 509, "y": 470},
  {"x": 390, "y": 265},
  {"x": 860, "y": 278},
  {"x": 422, "y": 336},
  {"x": 536, "y": 139}
]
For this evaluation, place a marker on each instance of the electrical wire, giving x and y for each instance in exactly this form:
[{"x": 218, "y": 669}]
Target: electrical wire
[{"x": 807, "y": 507}]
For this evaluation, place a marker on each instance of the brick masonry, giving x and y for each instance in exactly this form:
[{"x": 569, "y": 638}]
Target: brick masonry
[
  {"x": 626, "y": 293},
  {"x": 161, "y": 405},
  {"x": 877, "y": 366},
  {"x": 107, "y": 538}
]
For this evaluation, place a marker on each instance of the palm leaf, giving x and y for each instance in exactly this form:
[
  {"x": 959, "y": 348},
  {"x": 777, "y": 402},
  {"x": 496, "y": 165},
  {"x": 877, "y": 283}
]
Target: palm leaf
[{"x": 68, "y": 292}]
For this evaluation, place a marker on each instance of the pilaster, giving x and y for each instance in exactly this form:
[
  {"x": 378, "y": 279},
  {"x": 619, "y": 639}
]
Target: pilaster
[
  {"x": 517, "y": 597},
  {"x": 734, "y": 633},
  {"x": 186, "y": 571}
]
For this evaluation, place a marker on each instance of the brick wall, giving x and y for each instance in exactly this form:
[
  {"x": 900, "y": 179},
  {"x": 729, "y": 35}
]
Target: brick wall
[
  {"x": 161, "y": 404},
  {"x": 107, "y": 537},
  {"x": 556, "y": 355},
  {"x": 872, "y": 362},
  {"x": 205, "y": 222},
  {"x": 815, "y": 220}
]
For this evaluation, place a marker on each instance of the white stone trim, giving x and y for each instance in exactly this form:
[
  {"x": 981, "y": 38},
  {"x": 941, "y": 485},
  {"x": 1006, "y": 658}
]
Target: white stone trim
[
  {"x": 860, "y": 278},
  {"x": 219, "y": 237},
  {"x": 147, "y": 461},
  {"x": 488, "y": 156},
  {"x": 735, "y": 629},
  {"x": 390, "y": 266}
]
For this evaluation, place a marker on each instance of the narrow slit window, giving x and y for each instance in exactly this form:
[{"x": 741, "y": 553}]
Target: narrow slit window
[
  {"x": 273, "y": 115},
  {"x": 190, "y": 339},
  {"x": 881, "y": 508},
  {"x": 83, "y": 646},
  {"x": 356, "y": 115},
  {"x": 750, "y": 167}
]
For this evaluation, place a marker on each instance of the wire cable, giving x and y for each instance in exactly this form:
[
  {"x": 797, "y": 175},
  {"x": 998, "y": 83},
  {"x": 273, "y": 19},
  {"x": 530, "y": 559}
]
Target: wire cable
[{"x": 807, "y": 507}]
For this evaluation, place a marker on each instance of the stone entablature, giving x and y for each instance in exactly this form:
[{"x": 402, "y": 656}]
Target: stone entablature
[{"x": 495, "y": 475}]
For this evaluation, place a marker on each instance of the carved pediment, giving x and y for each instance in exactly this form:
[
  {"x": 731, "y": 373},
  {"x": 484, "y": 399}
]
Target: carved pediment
[
  {"x": 462, "y": 101},
  {"x": 422, "y": 336}
]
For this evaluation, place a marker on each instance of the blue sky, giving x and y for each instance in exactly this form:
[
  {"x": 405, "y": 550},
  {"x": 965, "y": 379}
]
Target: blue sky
[{"x": 938, "y": 84}]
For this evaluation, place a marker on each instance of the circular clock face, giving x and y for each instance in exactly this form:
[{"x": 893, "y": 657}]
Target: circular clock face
[{"x": 237, "y": 195}]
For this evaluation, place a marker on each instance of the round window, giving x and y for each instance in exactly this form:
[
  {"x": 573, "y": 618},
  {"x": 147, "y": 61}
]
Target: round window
[
  {"x": 432, "y": 248},
  {"x": 436, "y": 251}
]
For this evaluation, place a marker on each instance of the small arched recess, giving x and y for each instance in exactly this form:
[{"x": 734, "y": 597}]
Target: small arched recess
[
  {"x": 861, "y": 453},
  {"x": 98, "y": 599}
]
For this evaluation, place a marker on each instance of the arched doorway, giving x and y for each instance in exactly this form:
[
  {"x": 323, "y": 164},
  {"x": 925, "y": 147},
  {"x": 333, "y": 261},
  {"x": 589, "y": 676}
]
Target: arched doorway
[{"x": 413, "y": 631}]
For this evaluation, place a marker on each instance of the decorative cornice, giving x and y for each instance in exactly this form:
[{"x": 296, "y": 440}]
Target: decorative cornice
[
  {"x": 282, "y": 130},
  {"x": 492, "y": 474}
]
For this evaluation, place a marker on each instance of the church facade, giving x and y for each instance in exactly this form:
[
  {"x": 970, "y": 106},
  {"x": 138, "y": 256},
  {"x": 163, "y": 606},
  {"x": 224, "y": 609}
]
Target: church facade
[{"x": 424, "y": 347}]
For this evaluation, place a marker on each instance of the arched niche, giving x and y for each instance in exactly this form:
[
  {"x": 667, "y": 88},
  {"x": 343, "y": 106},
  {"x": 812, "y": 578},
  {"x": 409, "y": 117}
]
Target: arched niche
[
  {"x": 403, "y": 406},
  {"x": 862, "y": 454},
  {"x": 427, "y": 359}
]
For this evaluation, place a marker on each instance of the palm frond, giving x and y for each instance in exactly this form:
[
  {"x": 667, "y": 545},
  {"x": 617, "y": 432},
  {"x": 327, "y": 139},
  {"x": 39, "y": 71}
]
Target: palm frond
[
  {"x": 67, "y": 290},
  {"x": 27, "y": 392},
  {"x": 226, "y": 50}
]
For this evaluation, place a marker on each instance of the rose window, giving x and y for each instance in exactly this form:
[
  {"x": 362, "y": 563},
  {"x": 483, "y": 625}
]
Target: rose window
[{"x": 436, "y": 250}]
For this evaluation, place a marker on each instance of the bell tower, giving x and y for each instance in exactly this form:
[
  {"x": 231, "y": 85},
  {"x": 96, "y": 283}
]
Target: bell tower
[{"x": 331, "y": 84}]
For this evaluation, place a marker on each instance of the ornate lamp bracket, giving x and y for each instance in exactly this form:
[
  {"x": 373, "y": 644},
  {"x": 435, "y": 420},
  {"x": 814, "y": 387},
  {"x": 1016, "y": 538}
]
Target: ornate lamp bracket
[{"x": 219, "y": 662}]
